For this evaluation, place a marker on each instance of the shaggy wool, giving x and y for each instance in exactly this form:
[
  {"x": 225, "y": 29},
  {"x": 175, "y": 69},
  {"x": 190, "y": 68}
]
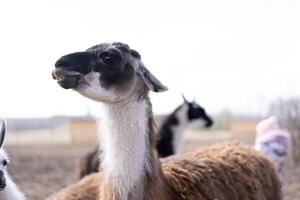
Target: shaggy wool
[{"x": 226, "y": 171}]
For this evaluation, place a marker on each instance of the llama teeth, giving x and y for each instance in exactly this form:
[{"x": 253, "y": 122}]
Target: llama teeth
[{"x": 60, "y": 78}]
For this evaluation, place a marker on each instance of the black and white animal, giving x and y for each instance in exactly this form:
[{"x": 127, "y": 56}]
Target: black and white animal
[
  {"x": 173, "y": 128},
  {"x": 8, "y": 189},
  {"x": 171, "y": 134}
]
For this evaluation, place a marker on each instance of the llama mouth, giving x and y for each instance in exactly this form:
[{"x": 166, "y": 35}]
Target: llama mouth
[
  {"x": 68, "y": 82},
  {"x": 208, "y": 124},
  {"x": 2, "y": 186},
  {"x": 66, "y": 79}
]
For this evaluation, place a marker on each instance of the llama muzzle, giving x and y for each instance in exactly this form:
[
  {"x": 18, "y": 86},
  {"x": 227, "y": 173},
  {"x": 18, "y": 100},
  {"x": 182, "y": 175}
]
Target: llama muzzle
[
  {"x": 2, "y": 181},
  {"x": 66, "y": 79}
]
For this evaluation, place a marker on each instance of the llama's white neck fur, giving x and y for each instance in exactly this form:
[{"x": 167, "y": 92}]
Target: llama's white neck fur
[
  {"x": 125, "y": 145},
  {"x": 179, "y": 130},
  {"x": 11, "y": 191}
]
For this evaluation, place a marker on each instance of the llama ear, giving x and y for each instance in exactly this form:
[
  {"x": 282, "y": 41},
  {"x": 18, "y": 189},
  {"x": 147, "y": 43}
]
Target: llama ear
[
  {"x": 150, "y": 80},
  {"x": 2, "y": 132},
  {"x": 184, "y": 99}
]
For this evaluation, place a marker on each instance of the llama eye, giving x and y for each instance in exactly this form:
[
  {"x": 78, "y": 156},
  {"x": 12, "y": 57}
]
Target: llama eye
[
  {"x": 109, "y": 58},
  {"x": 4, "y": 162}
]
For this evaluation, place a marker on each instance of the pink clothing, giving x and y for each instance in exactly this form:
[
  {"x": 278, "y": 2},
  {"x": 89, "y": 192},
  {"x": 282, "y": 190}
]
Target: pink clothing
[{"x": 273, "y": 142}]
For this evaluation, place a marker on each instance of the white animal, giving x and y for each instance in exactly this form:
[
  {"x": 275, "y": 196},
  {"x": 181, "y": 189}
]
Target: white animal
[{"x": 8, "y": 189}]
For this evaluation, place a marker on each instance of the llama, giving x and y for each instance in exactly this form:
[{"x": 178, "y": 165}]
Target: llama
[
  {"x": 114, "y": 74},
  {"x": 172, "y": 130},
  {"x": 8, "y": 189},
  {"x": 171, "y": 133}
]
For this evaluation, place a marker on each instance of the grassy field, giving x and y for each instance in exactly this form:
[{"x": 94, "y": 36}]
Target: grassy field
[{"x": 42, "y": 170}]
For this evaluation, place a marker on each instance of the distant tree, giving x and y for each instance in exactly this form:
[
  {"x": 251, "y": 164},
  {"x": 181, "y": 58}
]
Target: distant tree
[{"x": 288, "y": 113}]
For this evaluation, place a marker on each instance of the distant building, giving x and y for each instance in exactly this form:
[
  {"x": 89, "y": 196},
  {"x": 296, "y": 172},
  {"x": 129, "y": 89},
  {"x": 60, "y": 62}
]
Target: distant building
[
  {"x": 82, "y": 131},
  {"x": 56, "y": 130},
  {"x": 62, "y": 130},
  {"x": 243, "y": 126}
]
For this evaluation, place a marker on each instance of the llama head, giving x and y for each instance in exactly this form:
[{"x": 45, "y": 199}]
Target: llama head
[
  {"x": 108, "y": 72},
  {"x": 3, "y": 156},
  {"x": 195, "y": 111}
]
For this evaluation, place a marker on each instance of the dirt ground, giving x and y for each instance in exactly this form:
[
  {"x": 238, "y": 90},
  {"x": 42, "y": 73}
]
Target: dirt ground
[{"x": 42, "y": 170}]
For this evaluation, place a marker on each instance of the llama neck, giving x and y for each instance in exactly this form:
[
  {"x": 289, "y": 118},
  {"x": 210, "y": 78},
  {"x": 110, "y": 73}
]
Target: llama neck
[
  {"x": 180, "y": 128},
  {"x": 125, "y": 144},
  {"x": 11, "y": 191}
]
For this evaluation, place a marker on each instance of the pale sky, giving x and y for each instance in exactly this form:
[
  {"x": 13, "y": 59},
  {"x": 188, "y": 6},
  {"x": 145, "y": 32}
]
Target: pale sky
[{"x": 228, "y": 55}]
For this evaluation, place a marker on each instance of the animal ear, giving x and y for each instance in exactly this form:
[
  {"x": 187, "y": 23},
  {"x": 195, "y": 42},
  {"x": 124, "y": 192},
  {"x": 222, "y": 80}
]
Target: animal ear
[
  {"x": 150, "y": 80},
  {"x": 184, "y": 99},
  {"x": 2, "y": 132}
]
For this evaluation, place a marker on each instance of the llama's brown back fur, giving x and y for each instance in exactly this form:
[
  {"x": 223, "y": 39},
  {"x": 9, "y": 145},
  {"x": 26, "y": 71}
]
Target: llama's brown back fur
[
  {"x": 87, "y": 188},
  {"x": 228, "y": 171}
]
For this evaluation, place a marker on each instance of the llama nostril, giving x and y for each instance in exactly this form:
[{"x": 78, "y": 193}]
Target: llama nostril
[{"x": 61, "y": 63}]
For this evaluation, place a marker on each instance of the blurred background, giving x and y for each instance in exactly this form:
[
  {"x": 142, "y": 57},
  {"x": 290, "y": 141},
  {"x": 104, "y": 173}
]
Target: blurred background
[{"x": 238, "y": 59}]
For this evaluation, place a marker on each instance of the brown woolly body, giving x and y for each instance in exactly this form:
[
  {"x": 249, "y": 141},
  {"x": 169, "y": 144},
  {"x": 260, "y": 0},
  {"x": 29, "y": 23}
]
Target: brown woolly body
[{"x": 227, "y": 171}]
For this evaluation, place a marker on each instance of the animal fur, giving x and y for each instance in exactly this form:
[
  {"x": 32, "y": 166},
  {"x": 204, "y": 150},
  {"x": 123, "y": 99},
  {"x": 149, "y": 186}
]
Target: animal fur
[
  {"x": 171, "y": 133},
  {"x": 11, "y": 192},
  {"x": 8, "y": 189},
  {"x": 90, "y": 163},
  {"x": 112, "y": 73},
  {"x": 227, "y": 171}
]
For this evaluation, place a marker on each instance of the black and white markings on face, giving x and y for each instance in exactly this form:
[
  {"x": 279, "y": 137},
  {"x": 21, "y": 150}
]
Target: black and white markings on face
[
  {"x": 110, "y": 63},
  {"x": 114, "y": 68},
  {"x": 106, "y": 72},
  {"x": 195, "y": 111}
]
